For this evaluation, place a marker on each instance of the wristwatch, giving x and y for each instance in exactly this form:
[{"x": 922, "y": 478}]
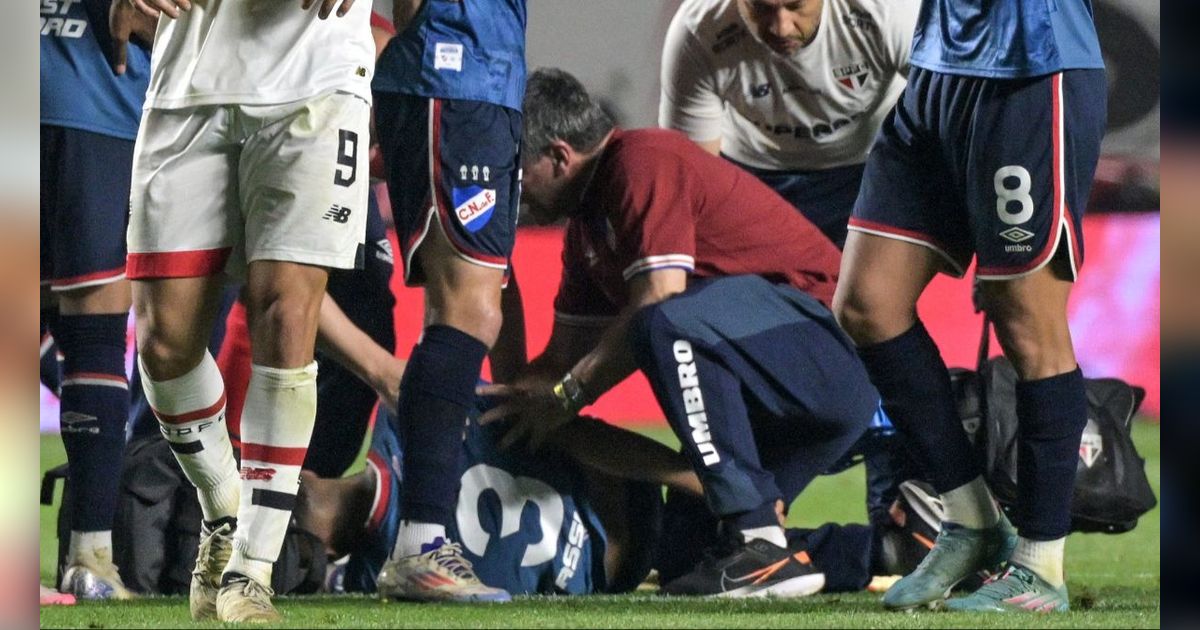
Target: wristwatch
[{"x": 570, "y": 394}]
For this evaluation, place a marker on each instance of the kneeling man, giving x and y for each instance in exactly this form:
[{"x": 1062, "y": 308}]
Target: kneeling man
[{"x": 680, "y": 264}]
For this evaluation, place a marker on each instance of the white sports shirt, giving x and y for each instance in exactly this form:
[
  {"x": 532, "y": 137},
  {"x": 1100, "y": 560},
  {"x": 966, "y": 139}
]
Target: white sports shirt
[
  {"x": 819, "y": 108},
  {"x": 259, "y": 52}
]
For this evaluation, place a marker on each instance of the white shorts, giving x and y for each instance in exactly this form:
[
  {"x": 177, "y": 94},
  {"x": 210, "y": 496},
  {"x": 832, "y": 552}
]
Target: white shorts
[{"x": 217, "y": 187}]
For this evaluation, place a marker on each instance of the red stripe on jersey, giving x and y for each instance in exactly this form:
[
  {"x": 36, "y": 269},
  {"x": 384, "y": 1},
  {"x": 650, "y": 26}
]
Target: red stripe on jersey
[
  {"x": 281, "y": 455},
  {"x": 889, "y": 229},
  {"x": 383, "y": 490},
  {"x": 382, "y": 23},
  {"x": 184, "y": 264}
]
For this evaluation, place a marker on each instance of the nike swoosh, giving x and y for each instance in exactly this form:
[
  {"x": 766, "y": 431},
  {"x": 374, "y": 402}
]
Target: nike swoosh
[{"x": 759, "y": 575}]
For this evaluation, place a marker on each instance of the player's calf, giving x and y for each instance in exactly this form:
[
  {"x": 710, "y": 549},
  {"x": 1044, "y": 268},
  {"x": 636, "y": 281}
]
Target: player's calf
[{"x": 95, "y": 403}]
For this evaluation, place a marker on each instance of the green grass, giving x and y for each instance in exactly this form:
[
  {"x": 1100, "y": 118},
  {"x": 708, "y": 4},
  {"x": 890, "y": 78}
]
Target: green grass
[{"x": 1114, "y": 583}]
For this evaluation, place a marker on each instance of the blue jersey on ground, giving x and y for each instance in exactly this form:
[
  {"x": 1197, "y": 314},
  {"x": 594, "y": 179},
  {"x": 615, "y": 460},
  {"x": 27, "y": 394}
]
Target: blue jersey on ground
[
  {"x": 473, "y": 51},
  {"x": 1006, "y": 38},
  {"x": 79, "y": 89},
  {"x": 525, "y": 523}
]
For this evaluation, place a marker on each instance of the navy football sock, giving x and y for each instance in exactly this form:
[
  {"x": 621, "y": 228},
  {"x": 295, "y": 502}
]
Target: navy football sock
[
  {"x": 1051, "y": 415},
  {"x": 914, "y": 384},
  {"x": 436, "y": 393},
  {"x": 95, "y": 404},
  {"x": 50, "y": 372}
]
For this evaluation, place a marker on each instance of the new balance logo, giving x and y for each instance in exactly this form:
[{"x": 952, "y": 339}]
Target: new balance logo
[
  {"x": 693, "y": 402},
  {"x": 338, "y": 214},
  {"x": 250, "y": 473}
]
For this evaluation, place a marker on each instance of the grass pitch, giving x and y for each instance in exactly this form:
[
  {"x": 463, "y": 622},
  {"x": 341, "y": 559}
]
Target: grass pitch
[{"x": 1114, "y": 583}]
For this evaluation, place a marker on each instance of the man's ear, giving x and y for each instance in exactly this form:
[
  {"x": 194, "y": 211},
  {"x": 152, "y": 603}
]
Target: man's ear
[{"x": 562, "y": 156}]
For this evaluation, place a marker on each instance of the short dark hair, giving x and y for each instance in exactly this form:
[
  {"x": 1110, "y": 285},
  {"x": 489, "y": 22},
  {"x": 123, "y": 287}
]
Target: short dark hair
[{"x": 557, "y": 107}]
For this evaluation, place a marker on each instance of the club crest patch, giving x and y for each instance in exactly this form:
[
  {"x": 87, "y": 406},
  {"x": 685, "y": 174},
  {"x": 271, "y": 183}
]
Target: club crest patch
[{"x": 473, "y": 206}]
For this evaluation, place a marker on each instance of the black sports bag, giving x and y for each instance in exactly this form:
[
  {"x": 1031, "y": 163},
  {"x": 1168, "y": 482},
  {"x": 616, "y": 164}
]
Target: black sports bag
[{"x": 1111, "y": 488}]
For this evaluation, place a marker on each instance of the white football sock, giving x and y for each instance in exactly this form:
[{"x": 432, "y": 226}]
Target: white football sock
[
  {"x": 971, "y": 505},
  {"x": 1043, "y": 557},
  {"x": 191, "y": 416},
  {"x": 771, "y": 533},
  {"x": 277, "y": 424},
  {"x": 88, "y": 544},
  {"x": 413, "y": 534}
]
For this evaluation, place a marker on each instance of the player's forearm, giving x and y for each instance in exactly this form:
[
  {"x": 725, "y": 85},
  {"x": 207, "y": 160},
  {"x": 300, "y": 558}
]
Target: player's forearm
[
  {"x": 355, "y": 350},
  {"x": 403, "y": 12},
  {"x": 610, "y": 362},
  {"x": 627, "y": 455},
  {"x": 612, "y": 358},
  {"x": 508, "y": 355}
]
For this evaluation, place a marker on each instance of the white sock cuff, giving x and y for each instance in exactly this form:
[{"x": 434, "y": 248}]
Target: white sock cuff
[
  {"x": 88, "y": 543},
  {"x": 201, "y": 388},
  {"x": 283, "y": 378},
  {"x": 280, "y": 408},
  {"x": 971, "y": 505},
  {"x": 772, "y": 533},
  {"x": 1034, "y": 553}
]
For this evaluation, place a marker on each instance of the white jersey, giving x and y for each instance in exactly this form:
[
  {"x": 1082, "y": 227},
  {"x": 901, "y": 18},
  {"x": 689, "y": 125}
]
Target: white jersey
[
  {"x": 816, "y": 109},
  {"x": 259, "y": 52}
]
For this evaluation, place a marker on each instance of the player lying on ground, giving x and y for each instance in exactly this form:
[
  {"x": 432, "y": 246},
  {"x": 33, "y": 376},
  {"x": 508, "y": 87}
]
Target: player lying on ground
[
  {"x": 680, "y": 264},
  {"x": 586, "y": 516}
]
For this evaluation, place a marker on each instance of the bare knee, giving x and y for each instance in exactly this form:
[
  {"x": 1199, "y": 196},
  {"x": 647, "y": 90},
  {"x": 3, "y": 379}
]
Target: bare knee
[
  {"x": 166, "y": 354},
  {"x": 871, "y": 316}
]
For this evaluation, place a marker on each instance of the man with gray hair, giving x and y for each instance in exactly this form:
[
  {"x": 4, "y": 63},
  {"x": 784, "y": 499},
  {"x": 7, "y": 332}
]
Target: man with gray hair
[{"x": 682, "y": 265}]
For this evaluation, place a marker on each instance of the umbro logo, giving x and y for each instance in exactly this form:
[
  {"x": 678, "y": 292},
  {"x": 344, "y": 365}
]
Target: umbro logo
[
  {"x": 337, "y": 214},
  {"x": 1016, "y": 234}
]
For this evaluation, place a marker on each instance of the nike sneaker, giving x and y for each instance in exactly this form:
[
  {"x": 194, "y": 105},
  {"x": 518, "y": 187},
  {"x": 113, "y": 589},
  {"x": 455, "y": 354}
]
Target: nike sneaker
[{"x": 757, "y": 568}]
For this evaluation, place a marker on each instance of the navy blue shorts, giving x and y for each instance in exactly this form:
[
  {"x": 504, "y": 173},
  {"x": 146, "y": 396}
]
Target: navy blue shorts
[
  {"x": 457, "y": 161},
  {"x": 825, "y": 197},
  {"x": 999, "y": 169},
  {"x": 85, "y": 207}
]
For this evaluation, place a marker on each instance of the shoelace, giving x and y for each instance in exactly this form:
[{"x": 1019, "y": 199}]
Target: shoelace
[
  {"x": 450, "y": 556},
  {"x": 204, "y": 557},
  {"x": 1006, "y": 584},
  {"x": 257, "y": 593},
  {"x": 945, "y": 543}
]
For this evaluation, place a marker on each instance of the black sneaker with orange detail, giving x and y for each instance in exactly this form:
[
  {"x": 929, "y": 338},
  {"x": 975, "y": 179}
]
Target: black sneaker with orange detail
[{"x": 757, "y": 568}]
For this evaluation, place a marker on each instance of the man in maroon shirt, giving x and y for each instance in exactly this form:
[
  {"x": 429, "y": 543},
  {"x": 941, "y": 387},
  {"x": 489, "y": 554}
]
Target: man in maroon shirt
[{"x": 680, "y": 264}]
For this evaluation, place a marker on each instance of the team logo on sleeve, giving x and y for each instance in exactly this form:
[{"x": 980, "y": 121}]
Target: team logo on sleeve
[{"x": 473, "y": 206}]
